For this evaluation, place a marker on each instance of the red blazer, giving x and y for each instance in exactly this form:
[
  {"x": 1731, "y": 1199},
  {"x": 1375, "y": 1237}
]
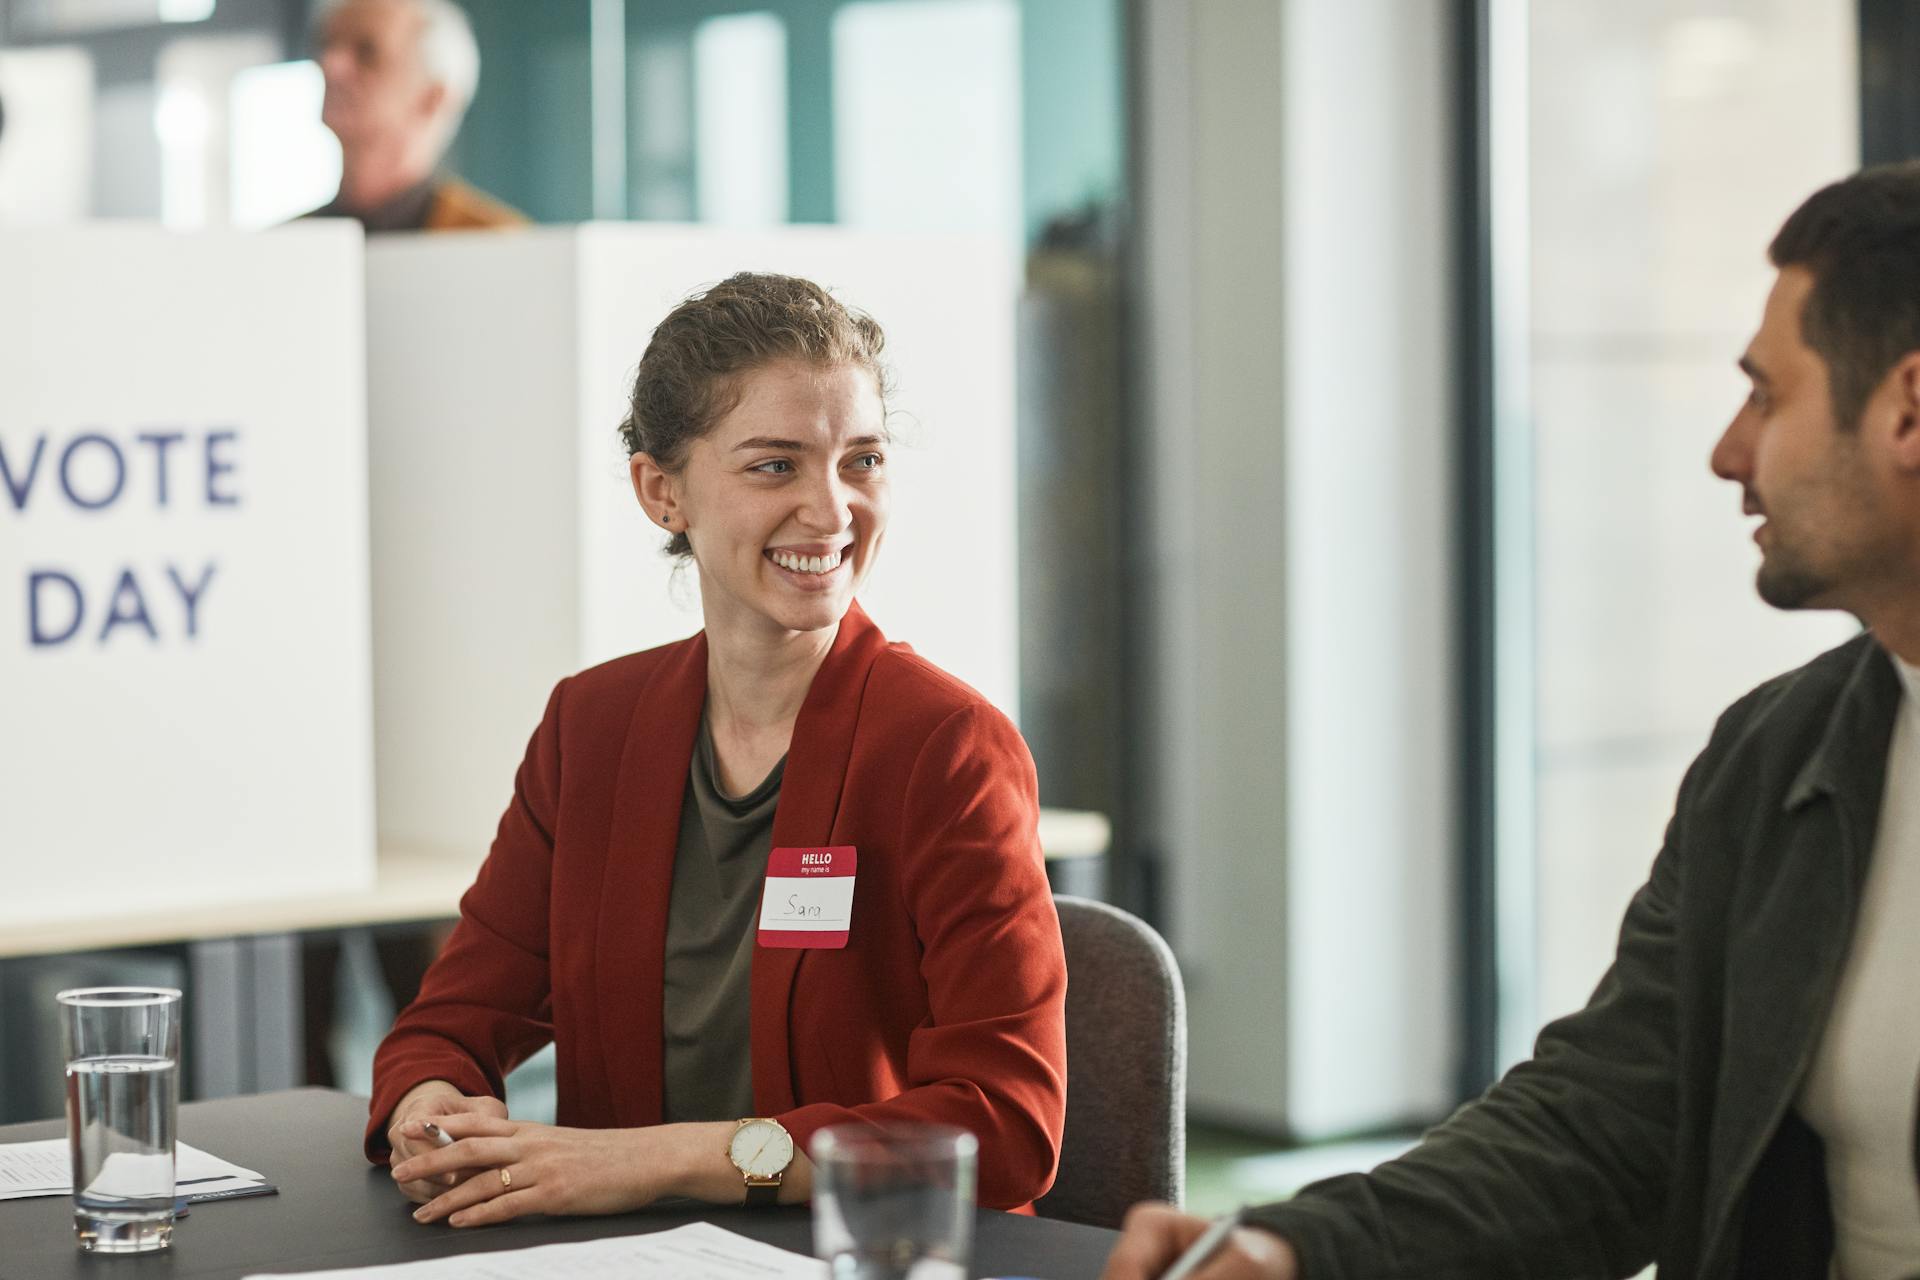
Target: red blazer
[{"x": 947, "y": 1003}]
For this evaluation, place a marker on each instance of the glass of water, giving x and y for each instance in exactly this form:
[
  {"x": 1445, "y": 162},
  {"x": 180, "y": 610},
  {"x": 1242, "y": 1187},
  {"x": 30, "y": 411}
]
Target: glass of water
[
  {"x": 895, "y": 1202},
  {"x": 123, "y": 1092}
]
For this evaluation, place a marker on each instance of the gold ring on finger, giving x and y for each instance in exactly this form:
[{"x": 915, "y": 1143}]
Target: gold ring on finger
[{"x": 506, "y": 1179}]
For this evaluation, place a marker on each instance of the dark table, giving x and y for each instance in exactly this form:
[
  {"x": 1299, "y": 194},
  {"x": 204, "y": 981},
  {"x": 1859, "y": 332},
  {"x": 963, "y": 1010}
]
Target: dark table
[{"x": 335, "y": 1210}]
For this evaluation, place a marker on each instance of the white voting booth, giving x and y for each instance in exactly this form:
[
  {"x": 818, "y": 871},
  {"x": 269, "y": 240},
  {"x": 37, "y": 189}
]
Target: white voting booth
[
  {"x": 185, "y": 707},
  {"x": 508, "y": 550}
]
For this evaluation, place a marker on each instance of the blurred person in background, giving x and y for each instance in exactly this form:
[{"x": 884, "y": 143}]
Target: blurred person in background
[
  {"x": 1738, "y": 1097},
  {"x": 399, "y": 76}
]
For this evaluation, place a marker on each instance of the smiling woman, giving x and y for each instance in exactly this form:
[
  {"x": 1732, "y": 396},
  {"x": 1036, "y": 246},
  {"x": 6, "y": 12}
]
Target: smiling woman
[
  {"x": 781, "y": 875},
  {"x": 783, "y": 501}
]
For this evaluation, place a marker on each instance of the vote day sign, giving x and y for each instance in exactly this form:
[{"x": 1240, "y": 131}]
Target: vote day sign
[{"x": 185, "y": 689}]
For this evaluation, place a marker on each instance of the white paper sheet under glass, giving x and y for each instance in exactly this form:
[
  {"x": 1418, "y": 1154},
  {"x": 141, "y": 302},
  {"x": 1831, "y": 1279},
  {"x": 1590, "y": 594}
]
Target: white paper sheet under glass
[{"x": 46, "y": 1169}]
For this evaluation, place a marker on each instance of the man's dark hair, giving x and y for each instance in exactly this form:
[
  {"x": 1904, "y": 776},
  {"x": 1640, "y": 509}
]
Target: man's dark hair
[{"x": 1860, "y": 238}]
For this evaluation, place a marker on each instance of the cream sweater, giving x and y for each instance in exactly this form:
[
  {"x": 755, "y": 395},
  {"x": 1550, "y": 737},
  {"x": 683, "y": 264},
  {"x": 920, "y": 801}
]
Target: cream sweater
[{"x": 1860, "y": 1094}]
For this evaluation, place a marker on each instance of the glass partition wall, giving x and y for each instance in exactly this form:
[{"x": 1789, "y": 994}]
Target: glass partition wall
[{"x": 1665, "y": 141}]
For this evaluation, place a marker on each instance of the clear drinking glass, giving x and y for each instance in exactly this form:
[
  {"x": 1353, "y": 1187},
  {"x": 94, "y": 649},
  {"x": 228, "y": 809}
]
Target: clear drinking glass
[
  {"x": 893, "y": 1203},
  {"x": 123, "y": 1093}
]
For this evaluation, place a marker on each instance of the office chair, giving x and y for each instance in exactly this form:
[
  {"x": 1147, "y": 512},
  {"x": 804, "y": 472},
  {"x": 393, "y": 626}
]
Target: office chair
[{"x": 1126, "y": 1135}]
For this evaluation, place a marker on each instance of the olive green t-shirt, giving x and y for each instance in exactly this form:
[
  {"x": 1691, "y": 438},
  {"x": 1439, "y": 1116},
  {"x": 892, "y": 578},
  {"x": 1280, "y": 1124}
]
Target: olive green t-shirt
[{"x": 712, "y": 923}]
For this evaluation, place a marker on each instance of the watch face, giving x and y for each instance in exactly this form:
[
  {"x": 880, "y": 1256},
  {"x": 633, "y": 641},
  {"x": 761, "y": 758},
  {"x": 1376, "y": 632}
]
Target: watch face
[{"x": 761, "y": 1149}]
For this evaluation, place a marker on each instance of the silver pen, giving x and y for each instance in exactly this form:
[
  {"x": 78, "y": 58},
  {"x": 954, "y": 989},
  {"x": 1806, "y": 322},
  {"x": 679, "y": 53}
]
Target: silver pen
[
  {"x": 441, "y": 1138},
  {"x": 1203, "y": 1248}
]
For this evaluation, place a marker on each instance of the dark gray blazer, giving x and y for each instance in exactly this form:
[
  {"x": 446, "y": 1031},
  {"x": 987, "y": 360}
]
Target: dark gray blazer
[{"x": 1655, "y": 1125}]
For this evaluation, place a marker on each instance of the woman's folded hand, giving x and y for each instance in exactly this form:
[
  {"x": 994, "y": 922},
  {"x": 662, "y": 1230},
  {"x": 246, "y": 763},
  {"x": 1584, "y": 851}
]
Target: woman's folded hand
[
  {"x": 433, "y": 1100},
  {"x": 508, "y": 1168}
]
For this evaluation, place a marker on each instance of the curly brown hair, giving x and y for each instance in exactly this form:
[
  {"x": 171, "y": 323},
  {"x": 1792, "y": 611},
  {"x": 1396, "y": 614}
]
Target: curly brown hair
[{"x": 692, "y": 373}]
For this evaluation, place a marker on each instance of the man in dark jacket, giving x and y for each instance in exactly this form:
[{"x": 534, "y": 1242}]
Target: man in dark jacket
[{"x": 1738, "y": 1098}]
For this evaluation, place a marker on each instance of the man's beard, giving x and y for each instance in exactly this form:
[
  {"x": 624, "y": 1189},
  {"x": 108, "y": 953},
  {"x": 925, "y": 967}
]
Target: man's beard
[
  {"x": 1819, "y": 541},
  {"x": 1785, "y": 582}
]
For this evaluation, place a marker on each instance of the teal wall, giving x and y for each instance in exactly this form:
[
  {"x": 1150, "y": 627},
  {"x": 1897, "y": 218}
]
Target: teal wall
[
  {"x": 528, "y": 136},
  {"x": 1073, "y": 110}
]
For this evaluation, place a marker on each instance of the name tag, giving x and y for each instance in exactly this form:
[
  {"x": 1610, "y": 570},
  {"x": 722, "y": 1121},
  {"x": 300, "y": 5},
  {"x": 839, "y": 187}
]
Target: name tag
[{"x": 808, "y": 900}]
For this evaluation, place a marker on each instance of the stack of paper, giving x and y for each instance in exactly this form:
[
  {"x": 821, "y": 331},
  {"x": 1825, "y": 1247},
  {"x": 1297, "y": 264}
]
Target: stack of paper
[{"x": 46, "y": 1169}]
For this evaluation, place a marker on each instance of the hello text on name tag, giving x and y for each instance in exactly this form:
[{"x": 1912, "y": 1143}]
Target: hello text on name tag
[{"x": 808, "y": 901}]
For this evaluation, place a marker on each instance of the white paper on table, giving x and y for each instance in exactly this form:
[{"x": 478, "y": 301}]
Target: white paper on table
[
  {"x": 697, "y": 1251},
  {"x": 46, "y": 1169},
  {"x": 196, "y": 1173},
  {"x": 35, "y": 1169}
]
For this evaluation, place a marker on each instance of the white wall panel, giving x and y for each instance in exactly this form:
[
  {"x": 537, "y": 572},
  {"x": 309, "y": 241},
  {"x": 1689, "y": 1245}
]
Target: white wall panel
[
  {"x": 184, "y": 665},
  {"x": 1295, "y": 242}
]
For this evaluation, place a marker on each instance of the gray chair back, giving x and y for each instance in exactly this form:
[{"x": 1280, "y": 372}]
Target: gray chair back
[{"x": 1126, "y": 1136}]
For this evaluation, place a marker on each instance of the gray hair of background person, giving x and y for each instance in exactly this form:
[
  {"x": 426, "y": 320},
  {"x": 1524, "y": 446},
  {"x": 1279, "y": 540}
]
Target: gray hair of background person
[{"x": 449, "y": 53}]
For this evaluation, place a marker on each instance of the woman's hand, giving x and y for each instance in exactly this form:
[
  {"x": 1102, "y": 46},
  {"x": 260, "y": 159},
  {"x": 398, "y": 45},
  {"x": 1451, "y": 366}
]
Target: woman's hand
[
  {"x": 431, "y": 1100},
  {"x": 516, "y": 1168},
  {"x": 554, "y": 1170},
  {"x": 1155, "y": 1234}
]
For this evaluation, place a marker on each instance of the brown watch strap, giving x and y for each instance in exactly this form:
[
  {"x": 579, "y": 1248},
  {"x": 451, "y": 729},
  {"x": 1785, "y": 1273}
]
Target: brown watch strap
[{"x": 763, "y": 1195}]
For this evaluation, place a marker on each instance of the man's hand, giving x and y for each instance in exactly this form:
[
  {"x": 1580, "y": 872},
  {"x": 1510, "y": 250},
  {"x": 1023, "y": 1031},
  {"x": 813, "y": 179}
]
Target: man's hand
[
  {"x": 1155, "y": 1234},
  {"x": 428, "y": 1101}
]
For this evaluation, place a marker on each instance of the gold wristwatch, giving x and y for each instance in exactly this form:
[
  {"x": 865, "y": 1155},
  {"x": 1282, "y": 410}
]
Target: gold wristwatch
[{"x": 761, "y": 1149}]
